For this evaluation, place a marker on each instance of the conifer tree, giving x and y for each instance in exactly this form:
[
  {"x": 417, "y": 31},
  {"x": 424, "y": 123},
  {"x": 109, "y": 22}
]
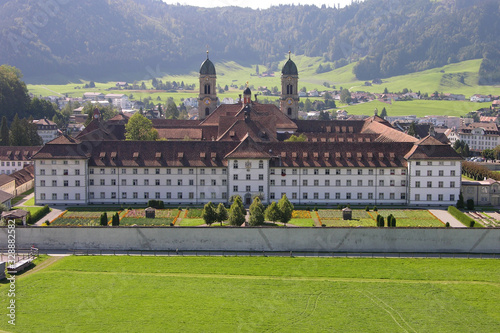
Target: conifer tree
[
  {"x": 209, "y": 214},
  {"x": 236, "y": 215},
  {"x": 4, "y": 133},
  {"x": 222, "y": 214},
  {"x": 256, "y": 212},
  {"x": 272, "y": 212}
]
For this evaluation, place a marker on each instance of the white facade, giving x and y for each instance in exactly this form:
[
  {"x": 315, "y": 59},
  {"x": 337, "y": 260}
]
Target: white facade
[
  {"x": 119, "y": 100},
  {"x": 72, "y": 182},
  {"x": 479, "y": 140}
]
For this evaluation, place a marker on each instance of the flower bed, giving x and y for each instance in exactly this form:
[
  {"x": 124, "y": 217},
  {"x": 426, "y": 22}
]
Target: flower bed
[
  {"x": 140, "y": 213},
  {"x": 85, "y": 215},
  {"x": 128, "y": 221},
  {"x": 194, "y": 213},
  {"x": 301, "y": 214},
  {"x": 348, "y": 223},
  {"x": 74, "y": 221},
  {"x": 337, "y": 214}
]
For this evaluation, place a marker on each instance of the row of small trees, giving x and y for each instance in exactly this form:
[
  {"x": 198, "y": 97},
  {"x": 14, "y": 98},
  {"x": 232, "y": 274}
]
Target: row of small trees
[
  {"x": 115, "y": 220},
  {"x": 281, "y": 211},
  {"x": 391, "y": 221},
  {"x": 477, "y": 171}
]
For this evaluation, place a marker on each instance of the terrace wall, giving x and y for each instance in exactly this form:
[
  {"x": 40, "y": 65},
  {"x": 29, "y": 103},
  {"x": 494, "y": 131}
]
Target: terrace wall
[{"x": 484, "y": 240}]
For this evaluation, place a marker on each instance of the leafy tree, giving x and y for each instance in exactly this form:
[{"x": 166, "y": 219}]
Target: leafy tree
[
  {"x": 383, "y": 114},
  {"x": 412, "y": 130},
  {"x": 324, "y": 115},
  {"x": 256, "y": 212},
  {"x": 345, "y": 96},
  {"x": 293, "y": 138},
  {"x": 237, "y": 212},
  {"x": 140, "y": 128},
  {"x": 308, "y": 106},
  {"x": 488, "y": 154},
  {"x": 4, "y": 133},
  {"x": 172, "y": 112},
  {"x": 272, "y": 212},
  {"x": 286, "y": 209},
  {"x": 209, "y": 213},
  {"x": 222, "y": 214},
  {"x": 14, "y": 98}
]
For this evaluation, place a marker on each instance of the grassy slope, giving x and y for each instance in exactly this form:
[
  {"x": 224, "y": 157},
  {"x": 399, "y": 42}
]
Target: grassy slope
[
  {"x": 119, "y": 294},
  {"x": 232, "y": 73}
]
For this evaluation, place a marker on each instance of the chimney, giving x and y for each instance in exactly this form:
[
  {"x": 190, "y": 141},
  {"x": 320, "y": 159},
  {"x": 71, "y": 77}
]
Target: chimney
[{"x": 239, "y": 99}]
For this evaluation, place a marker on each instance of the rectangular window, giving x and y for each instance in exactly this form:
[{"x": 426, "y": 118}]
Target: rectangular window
[
  {"x": 65, "y": 162},
  {"x": 102, "y": 171},
  {"x": 304, "y": 195},
  {"x": 261, "y": 188},
  {"x": 247, "y": 188},
  {"x": 349, "y": 171},
  {"x": 248, "y": 177},
  {"x": 113, "y": 182},
  {"x": 452, "y": 184},
  {"x": 304, "y": 171},
  {"x": 169, "y": 171},
  {"x": 327, "y": 182},
  {"x": 370, "y": 196},
  {"x": 54, "y": 172},
  {"x": 337, "y": 195},
  {"x": 452, "y": 197},
  {"x": 283, "y": 182},
  {"x": 381, "y": 172},
  {"x": 360, "y": 196},
  {"x": 348, "y": 196},
  {"x": 429, "y": 173},
  {"x": 403, "y": 172},
  {"x": 381, "y": 182},
  {"x": 391, "y": 196},
  {"x": 91, "y": 195},
  {"x": 392, "y": 172},
  {"x": 337, "y": 182},
  {"x": 124, "y": 171},
  {"x": 316, "y": 171},
  {"x": 146, "y": 195},
  {"x": 429, "y": 184},
  {"x": 417, "y": 184},
  {"x": 134, "y": 182},
  {"x": 42, "y": 172},
  {"x": 294, "y": 195},
  {"x": 224, "y": 171},
  {"x": 179, "y": 195},
  {"x": 316, "y": 195},
  {"x": 213, "y": 195},
  {"x": 337, "y": 171},
  {"x": 441, "y": 173},
  {"x": 429, "y": 197},
  {"x": 113, "y": 171},
  {"x": 124, "y": 195},
  {"x": 327, "y": 171},
  {"x": 327, "y": 195},
  {"x": 202, "y": 171},
  {"x": 224, "y": 194},
  {"x": 42, "y": 196},
  {"x": 103, "y": 195},
  {"x": 202, "y": 182},
  {"x": 54, "y": 196},
  {"x": 169, "y": 182},
  {"x": 77, "y": 172},
  {"x": 403, "y": 182},
  {"x": 440, "y": 197},
  {"x": 272, "y": 182},
  {"x": 113, "y": 195},
  {"x": 235, "y": 188},
  {"x": 191, "y": 171},
  {"x": 370, "y": 171},
  {"x": 271, "y": 195},
  {"x": 42, "y": 183},
  {"x": 381, "y": 196},
  {"x": 261, "y": 177},
  {"x": 54, "y": 183},
  {"x": 417, "y": 163},
  {"x": 157, "y": 182},
  {"x": 360, "y": 182},
  {"x": 179, "y": 171},
  {"x": 370, "y": 182},
  {"x": 169, "y": 195},
  {"x": 429, "y": 163},
  {"x": 304, "y": 182},
  {"x": 214, "y": 182},
  {"x": 214, "y": 171},
  {"x": 440, "y": 184},
  {"x": 360, "y": 171},
  {"x": 417, "y": 196},
  {"x": 348, "y": 182},
  {"x": 202, "y": 195},
  {"x": 102, "y": 182},
  {"x": 294, "y": 182},
  {"x": 316, "y": 182},
  {"x": 417, "y": 173},
  {"x": 391, "y": 182},
  {"x": 157, "y": 171},
  {"x": 146, "y": 182},
  {"x": 191, "y": 195},
  {"x": 224, "y": 182},
  {"x": 135, "y": 195},
  {"x": 403, "y": 196},
  {"x": 77, "y": 196},
  {"x": 134, "y": 171},
  {"x": 179, "y": 182},
  {"x": 261, "y": 164},
  {"x": 452, "y": 173},
  {"x": 91, "y": 182},
  {"x": 235, "y": 177},
  {"x": 272, "y": 171},
  {"x": 65, "y": 183}
]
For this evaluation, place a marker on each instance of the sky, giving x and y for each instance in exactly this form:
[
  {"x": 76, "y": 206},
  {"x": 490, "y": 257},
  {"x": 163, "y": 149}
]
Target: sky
[{"x": 262, "y": 4}]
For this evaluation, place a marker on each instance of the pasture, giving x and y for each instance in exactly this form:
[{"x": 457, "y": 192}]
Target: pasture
[{"x": 256, "y": 294}]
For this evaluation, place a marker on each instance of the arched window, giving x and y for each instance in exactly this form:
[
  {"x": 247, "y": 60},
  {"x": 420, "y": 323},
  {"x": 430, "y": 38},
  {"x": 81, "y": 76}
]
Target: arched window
[
  {"x": 207, "y": 111},
  {"x": 235, "y": 164},
  {"x": 207, "y": 89},
  {"x": 289, "y": 89},
  {"x": 289, "y": 111}
]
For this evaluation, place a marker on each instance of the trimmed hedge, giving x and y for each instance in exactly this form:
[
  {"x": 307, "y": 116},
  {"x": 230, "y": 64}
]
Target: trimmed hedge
[
  {"x": 460, "y": 216},
  {"x": 33, "y": 218}
]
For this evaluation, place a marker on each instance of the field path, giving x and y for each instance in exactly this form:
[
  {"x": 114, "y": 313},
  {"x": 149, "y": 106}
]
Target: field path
[
  {"x": 284, "y": 278},
  {"x": 44, "y": 264}
]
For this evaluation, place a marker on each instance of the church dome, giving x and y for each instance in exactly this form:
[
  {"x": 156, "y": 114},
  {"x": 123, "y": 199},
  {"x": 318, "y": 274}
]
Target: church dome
[
  {"x": 290, "y": 68},
  {"x": 247, "y": 91},
  {"x": 207, "y": 67}
]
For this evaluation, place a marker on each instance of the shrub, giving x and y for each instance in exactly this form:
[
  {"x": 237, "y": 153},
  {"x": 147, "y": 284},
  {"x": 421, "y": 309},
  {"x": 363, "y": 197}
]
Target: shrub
[
  {"x": 47, "y": 222},
  {"x": 447, "y": 224},
  {"x": 315, "y": 208},
  {"x": 308, "y": 208},
  {"x": 33, "y": 218},
  {"x": 375, "y": 209},
  {"x": 470, "y": 204},
  {"x": 367, "y": 208},
  {"x": 471, "y": 223},
  {"x": 460, "y": 201}
]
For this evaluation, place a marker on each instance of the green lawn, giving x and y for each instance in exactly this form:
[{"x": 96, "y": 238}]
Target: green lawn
[
  {"x": 187, "y": 222},
  {"x": 302, "y": 222},
  {"x": 128, "y": 221},
  {"x": 229, "y": 294}
]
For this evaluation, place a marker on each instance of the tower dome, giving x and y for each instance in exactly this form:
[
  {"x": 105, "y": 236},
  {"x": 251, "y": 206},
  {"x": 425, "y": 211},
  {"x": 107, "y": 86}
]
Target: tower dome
[
  {"x": 290, "y": 68},
  {"x": 247, "y": 91},
  {"x": 207, "y": 67}
]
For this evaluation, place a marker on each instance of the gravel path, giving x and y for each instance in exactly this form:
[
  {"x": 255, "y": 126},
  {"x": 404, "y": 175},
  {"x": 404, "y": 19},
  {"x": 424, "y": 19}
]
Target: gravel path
[{"x": 444, "y": 216}]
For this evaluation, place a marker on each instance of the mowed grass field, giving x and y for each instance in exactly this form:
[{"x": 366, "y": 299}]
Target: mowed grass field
[{"x": 257, "y": 294}]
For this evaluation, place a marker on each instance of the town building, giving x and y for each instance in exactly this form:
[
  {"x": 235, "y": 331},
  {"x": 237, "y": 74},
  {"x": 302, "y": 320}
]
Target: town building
[
  {"x": 243, "y": 149},
  {"x": 46, "y": 129},
  {"x": 479, "y": 136},
  {"x": 13, "y": 158},
  {"x": 483, "y": 192}
]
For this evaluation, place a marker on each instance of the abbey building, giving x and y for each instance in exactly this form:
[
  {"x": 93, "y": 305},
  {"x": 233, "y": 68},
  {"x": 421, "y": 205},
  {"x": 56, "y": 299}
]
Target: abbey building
[{"x": 241, "y": 149}]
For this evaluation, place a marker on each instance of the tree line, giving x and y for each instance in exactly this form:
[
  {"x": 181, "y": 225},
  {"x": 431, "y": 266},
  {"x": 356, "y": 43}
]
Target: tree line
[{"x": 387, "y": 37}]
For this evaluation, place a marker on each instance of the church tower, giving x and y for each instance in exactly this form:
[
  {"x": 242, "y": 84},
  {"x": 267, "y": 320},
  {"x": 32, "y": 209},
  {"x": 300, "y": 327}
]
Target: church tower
[
  {"x": 289, "y": 101},
  {"x": 207, "y": 100}
]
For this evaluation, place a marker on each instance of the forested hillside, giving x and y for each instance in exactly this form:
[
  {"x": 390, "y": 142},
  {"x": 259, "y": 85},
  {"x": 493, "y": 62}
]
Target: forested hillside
[{"x": 117, "y": 39}]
